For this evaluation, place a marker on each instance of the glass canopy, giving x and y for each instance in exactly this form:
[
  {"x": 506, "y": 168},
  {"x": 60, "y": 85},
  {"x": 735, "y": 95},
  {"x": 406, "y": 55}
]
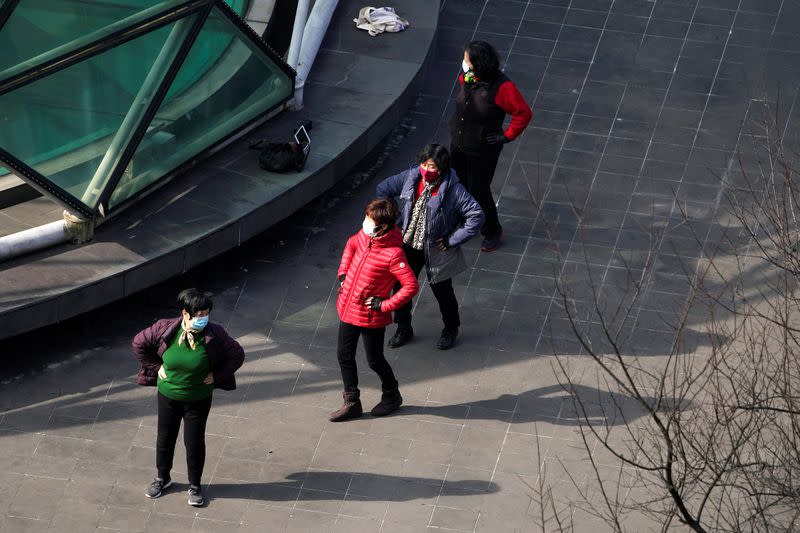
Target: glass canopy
[{"x": 102, "y": 99}]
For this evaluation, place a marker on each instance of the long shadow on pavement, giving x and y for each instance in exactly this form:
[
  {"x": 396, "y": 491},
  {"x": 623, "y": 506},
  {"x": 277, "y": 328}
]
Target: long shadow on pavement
[
  {"x": 537, "y": 405},
  {"x": 376, "y": 487}
]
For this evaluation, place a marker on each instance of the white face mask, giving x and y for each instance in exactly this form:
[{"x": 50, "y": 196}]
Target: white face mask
[
  {"x": 466, "y": 68},
  {"x": 368, "y": 226}
]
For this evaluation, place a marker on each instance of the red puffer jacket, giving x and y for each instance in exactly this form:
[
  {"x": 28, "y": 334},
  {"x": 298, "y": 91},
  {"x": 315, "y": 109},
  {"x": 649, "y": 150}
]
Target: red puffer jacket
[{"x": 371, "y": 266}]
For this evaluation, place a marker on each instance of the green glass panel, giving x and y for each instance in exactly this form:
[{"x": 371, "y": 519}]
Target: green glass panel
[
  {"x": 239, "y": 6},
  {"x": 205, "y": 54},
  {"x": 239, "y": 84},
  {"x": 38, "y": 26},
  {"x": 62, "y": 125}
]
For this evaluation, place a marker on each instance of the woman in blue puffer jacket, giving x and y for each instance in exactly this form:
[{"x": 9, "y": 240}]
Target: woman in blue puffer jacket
[{"x": 436, "y": 216}]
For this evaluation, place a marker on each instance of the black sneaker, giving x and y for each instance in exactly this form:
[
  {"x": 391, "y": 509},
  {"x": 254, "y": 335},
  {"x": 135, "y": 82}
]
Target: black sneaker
[
  {"x": 196, "y": 496},
  {"x": 402, "y": 336},
  {"x": 448, "y": 338},
  {"x": 157, "y": 487}
]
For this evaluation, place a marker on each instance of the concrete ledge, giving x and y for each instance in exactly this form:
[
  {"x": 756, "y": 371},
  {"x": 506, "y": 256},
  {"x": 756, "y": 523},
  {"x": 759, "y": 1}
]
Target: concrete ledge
[{"x": 358, "y": 90}]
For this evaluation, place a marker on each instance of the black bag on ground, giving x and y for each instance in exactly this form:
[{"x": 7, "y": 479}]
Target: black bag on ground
[{"x": 280, "y": 157}]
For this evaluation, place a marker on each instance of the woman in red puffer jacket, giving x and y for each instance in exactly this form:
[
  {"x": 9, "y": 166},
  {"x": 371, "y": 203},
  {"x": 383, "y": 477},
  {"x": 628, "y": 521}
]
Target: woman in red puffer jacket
[{"x": 372, "y": 262}]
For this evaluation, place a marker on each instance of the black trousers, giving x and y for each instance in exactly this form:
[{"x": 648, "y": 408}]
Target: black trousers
[
  {"x": 476, "y": 172},
  {"x": 194, "y": 415},
  {"x": 443, "y": 291},
  {"x": 372, "y": 339}
]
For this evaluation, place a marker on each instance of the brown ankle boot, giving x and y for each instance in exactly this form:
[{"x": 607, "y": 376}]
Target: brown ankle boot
[
  {"x": 350, "y": 409},
  {"x": 390, "y": 402}
]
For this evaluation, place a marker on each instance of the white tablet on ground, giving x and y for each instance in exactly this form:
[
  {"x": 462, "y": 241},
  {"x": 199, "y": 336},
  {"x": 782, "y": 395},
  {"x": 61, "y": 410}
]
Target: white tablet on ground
[{"x": 302, "y": 138}]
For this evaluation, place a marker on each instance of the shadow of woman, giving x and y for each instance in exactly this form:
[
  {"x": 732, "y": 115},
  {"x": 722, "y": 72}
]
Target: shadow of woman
[
  {"x": 550, "y": 404},
  {"x": 314, "y": 486}
]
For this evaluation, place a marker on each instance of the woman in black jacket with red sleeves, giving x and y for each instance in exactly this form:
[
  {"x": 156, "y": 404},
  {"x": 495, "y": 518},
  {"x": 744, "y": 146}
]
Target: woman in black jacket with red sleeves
[{"x": 477, "y": 137}]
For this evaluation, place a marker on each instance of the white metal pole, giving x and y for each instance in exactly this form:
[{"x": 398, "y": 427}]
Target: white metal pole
[
  {"x": 300, "y": 17},
  {"x": 314, "y": 33},
  {"x": 33, "y": 239}
]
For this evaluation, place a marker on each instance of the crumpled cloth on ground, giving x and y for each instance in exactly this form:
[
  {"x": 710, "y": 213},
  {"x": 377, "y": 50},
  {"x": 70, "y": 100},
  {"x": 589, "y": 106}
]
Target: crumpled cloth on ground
[{"x": 379, "y": 19}]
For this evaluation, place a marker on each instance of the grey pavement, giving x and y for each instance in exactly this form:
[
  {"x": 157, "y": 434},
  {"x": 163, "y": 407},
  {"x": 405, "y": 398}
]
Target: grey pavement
[{"x": 637, "y": 109}]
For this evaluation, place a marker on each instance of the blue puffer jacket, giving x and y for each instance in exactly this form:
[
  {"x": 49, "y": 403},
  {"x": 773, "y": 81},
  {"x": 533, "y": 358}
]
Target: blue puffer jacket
[{"x": 453, "y": 214}]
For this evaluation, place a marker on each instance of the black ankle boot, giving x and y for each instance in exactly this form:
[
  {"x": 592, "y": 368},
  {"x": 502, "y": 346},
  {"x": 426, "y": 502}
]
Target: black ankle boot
[
  {"x": 402, "y": 336},
  {"x": 448, "y": 338}
]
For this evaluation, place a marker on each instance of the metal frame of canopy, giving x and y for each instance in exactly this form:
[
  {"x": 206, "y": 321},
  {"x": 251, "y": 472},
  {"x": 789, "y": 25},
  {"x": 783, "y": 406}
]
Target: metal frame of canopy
[{"x": 193, "y": 14}]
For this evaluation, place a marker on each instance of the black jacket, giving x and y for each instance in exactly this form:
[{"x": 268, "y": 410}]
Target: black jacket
[{"x": 477, "y": 114}]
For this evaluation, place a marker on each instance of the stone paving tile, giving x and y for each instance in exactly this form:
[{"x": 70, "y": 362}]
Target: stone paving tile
[
  {"x": 204, "y": 525},
  {"x": 625, "y": 121},
  {"x": 124, "y": 518},
  {"x": 24, "y": 525},
  {"x": 72, "y": 516}
]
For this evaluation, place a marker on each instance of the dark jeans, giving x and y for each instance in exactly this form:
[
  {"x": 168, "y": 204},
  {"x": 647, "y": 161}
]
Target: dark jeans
[
  {"x": 443, "y": 291},
  {"x": 476, "y": 172},
  {"x": 194, "y": 415},
  {"x": 372, "y": 338}
]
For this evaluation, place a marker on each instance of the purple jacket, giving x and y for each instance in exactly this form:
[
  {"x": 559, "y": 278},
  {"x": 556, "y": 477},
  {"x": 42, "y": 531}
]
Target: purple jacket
[{"x": 225, "y": 355}]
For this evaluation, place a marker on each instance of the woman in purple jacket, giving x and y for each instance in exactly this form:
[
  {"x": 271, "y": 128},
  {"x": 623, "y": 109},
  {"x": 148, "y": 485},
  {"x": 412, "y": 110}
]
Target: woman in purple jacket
[{"x": 186, "y": 358}]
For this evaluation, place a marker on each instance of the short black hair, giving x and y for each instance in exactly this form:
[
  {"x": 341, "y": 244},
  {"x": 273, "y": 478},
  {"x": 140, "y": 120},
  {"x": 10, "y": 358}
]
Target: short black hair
[
  {"x": 484, "y": 59},
  {"x": 194, "y": 300},
  {"x": 384, "y": 213},
  {"x": 439, "y": 154}
]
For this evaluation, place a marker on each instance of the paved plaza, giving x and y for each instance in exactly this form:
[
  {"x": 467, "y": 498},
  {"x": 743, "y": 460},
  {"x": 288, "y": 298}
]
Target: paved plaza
[{"x": 638, "y": 106}]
